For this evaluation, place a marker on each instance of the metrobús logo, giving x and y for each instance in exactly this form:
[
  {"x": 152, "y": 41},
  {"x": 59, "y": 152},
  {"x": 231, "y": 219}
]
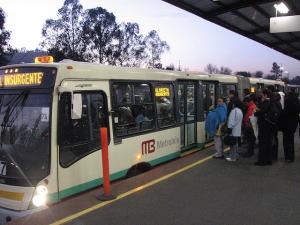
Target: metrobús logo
[{"x": 150, "y": 146}]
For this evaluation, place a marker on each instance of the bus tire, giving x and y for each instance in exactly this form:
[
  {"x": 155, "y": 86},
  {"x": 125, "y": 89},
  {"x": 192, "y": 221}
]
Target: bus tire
[{"x": 138, "y": 169}]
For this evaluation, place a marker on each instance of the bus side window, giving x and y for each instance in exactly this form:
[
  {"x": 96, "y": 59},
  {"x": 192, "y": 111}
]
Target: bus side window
[
  {"x": 180, "y": 97},
  {"x": 224, "y": 91},
  {"x": 80, "y": 137},
  {"x": 205, "y": 101},
  {"x": 226, "y": 88},
  {"x": 133, "y": 108},
  {"x": 165, "y": 108},
  {"x": 208, "y": 97}
]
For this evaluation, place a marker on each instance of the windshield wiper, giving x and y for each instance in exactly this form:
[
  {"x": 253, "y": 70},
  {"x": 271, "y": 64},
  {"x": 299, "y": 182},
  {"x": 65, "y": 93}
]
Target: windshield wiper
[{"x": 8, "y": 119}]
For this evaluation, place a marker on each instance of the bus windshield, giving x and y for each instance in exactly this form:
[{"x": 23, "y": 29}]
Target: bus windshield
[{"x": 24, "y": 137}]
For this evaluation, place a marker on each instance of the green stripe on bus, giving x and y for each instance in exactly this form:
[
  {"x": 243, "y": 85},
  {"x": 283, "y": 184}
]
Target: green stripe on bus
[
  {"x": 165, "y": 158},
  {"x": 83, "y": 187}
]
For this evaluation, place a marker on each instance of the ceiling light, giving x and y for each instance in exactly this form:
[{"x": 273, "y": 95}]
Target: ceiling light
[{"x": 282, "y": 8}]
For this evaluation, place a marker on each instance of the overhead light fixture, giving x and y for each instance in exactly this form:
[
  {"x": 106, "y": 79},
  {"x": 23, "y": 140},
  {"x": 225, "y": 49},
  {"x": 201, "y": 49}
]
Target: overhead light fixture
[{"x": 281, "y": 8}]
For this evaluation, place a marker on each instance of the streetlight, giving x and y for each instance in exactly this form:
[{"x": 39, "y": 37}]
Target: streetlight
[{"x": 281, "y": 8}]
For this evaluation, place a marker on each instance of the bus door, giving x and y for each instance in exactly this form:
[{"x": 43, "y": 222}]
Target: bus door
[
  {"x": 209, "y": 96},
  {"x": 187, "y": 113},
  {"x": 82, "y": 111}
]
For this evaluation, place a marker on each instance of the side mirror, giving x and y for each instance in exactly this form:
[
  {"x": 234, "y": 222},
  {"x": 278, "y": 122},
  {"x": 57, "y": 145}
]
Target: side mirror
[
  {"x": 76, "y": 102},
  {"x": 76, "y": 110}
]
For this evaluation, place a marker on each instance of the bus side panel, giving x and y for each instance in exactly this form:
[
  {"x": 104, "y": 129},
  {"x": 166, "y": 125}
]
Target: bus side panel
[{"x": 153, "y": 148}]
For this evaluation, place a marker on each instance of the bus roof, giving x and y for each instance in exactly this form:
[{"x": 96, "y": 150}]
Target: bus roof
[{"x": 83, "y": 70}]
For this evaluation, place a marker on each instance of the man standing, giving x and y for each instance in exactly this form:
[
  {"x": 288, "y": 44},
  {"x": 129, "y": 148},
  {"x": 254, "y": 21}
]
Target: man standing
[
  {"x": 265, "y": 128},
  {"x": 289, "y": 121}
]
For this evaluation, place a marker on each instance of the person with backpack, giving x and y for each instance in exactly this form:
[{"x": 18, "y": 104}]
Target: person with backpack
[
  {"x": 289, "y": 122},
  {"x": 234, "y": 125},
  {"x": 267, "y": 116}
]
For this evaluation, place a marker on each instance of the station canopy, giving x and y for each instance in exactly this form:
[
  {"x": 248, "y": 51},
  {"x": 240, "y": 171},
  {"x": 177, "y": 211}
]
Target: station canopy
[{"x": 249, "y": 18}]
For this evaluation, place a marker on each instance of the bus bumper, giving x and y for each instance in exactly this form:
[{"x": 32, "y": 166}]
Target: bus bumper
[{"x": 7, "y": 215}]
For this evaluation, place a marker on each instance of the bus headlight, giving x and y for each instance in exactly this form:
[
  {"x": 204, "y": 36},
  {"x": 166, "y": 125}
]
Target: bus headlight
[
  {"x": 40, "y": 197},
  {"x": 41, "y": 190}
]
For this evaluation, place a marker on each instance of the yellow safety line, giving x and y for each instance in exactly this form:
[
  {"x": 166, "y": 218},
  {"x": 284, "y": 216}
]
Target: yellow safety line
[{"x": 121, "y": 196}]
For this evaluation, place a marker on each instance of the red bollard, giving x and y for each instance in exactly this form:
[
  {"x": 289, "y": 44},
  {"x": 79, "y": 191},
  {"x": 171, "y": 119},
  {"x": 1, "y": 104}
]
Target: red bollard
[{"x": 105, "y": 166}]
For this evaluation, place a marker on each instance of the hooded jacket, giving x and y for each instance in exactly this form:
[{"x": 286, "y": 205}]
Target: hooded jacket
[{"x": 215, "y": 118}]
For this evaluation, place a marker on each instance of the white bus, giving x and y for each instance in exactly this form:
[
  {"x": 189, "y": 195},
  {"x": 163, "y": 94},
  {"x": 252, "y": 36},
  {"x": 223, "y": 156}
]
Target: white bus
[{"x": 50, "y": 115}]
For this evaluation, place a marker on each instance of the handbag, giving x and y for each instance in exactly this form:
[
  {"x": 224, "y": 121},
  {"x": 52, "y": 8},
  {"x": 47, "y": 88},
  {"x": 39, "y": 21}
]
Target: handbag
[
  {"x": 222, "y": 129},
  {"x": 230, "y": 140}
]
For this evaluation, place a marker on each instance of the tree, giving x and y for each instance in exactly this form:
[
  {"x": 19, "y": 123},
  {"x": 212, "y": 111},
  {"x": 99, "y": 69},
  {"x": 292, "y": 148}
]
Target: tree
[
  {"x": 225, "y": 70},
  {"x": 211, "y": 69},
  {"x": 64, "y": 37},
  {"x": 5, "y": 49},
  {"x": 276, "y": 71},
  {"x": 243, "y": 73},
  {"x": 131, "y": 48},
  {"x": 101, "y": 29},
  {"x": 155, "y": 47},
  {"x": 259, "y": 74}
]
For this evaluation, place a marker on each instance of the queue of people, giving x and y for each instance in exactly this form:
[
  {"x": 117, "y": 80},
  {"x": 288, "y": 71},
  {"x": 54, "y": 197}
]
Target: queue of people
[{"x": 256, "y": 120}]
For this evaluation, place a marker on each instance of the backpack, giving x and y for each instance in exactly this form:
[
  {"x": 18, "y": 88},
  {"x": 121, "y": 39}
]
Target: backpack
[{"x": 272, "y": 115}]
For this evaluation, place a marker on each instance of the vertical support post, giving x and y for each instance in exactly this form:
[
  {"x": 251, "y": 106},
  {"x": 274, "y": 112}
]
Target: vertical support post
[{"x": 105, "y": 166}]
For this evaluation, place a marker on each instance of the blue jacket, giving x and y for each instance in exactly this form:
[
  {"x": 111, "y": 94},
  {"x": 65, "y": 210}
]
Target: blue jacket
[
  {"x": 222, "y": 112},
  {"x": 214, "y": 118}
]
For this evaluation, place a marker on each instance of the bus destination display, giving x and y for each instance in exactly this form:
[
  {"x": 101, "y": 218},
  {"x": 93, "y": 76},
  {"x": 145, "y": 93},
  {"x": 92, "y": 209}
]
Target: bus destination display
[
  {"x": 21, "y": 79},
  {"x": 27, "y": 77},
  {"x": 159, "y": 92}
]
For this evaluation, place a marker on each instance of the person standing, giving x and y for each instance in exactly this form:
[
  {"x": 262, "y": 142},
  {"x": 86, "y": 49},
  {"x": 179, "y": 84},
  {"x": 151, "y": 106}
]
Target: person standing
[
  {"x": 213, "y": 125},
  {"x": 234, "y": 125},
  {"x": 249, "y": 132},
  {"x": 277, "y": 106},
  {"x": 289, "y": 121},
  {"x": 264, "y": 130},
  {"x": 231, "y": 97},
  {"x": 221, "y": 111}
]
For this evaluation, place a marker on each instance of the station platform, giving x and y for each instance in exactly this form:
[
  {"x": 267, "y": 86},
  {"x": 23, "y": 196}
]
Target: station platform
[{"x": 195, "y": 189}]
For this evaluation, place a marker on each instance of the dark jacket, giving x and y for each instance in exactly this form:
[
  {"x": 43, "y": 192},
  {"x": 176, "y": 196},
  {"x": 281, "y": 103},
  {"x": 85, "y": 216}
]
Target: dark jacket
[
  {"x": 261, "y": 115},
  {"x": 290, "y": 115}
]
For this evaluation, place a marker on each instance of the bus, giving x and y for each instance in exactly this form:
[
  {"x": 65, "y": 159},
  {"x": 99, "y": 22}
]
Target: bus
[
  {"x": 294, "y": 88},
  {"x": 51, "y": 113}
]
